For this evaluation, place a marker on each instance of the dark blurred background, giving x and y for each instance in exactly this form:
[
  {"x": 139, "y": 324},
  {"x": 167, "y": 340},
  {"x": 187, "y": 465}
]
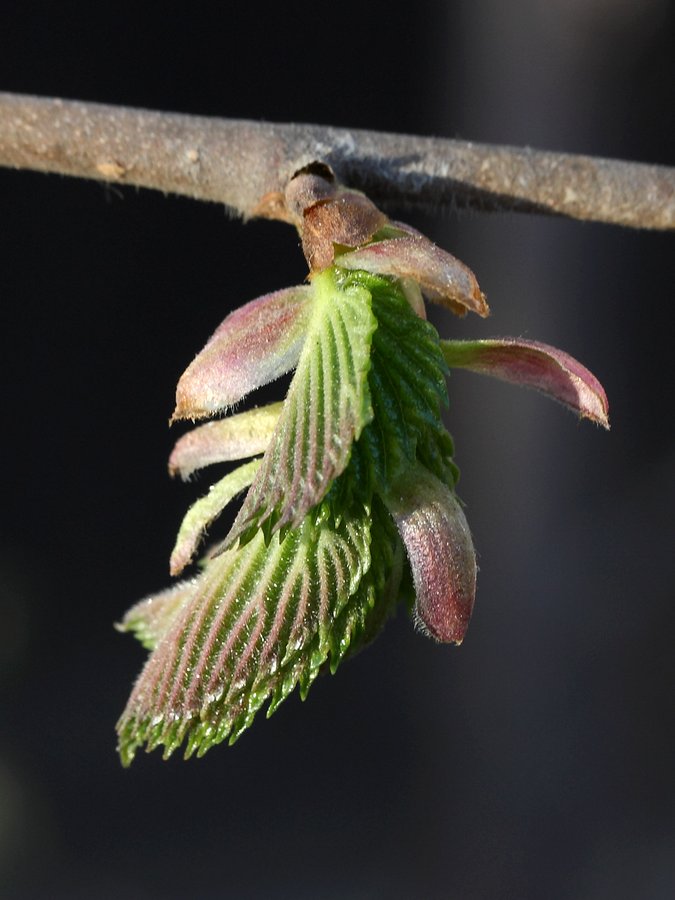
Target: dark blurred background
[{"x": 537, "y": 760}]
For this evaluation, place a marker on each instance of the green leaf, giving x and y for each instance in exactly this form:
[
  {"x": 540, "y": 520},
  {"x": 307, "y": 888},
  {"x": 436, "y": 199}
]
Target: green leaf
[
  {"x": 408, "y": 390},
  {"x": 327, "y": 407},
  {"x": 206, "y": 510},
  {"x": 236, "y": 437},
  {"x": 366, "y": 612},
  {"x": 261, "y": 619}
]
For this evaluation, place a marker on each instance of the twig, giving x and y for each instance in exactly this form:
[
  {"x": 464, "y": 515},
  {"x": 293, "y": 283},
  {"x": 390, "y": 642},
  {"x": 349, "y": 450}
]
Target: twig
[{"x": 238, "y": 162}]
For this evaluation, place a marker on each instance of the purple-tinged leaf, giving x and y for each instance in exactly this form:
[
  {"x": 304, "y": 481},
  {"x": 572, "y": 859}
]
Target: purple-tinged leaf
[
  {"x": 254, "y": 345},
  {"x": 440, "y": 550},
  {"x": 206, "y": 510},
  {"x": 224, "y": 440},
  {"x": 535, "y": 365},
  {"x": 442, "y": 278}
]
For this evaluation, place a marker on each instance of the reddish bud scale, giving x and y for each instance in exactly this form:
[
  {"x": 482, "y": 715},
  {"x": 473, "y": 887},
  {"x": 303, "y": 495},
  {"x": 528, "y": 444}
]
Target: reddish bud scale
[
  {"x": 440, "y": 551},
  {"x": 535, "y": 365},
  {"x": 254, "y": 345}
]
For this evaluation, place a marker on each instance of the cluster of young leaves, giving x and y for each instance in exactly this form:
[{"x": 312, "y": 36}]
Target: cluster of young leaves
[
  {"x": 312, "y": 564},
  {"x": 353, "y": 497}
]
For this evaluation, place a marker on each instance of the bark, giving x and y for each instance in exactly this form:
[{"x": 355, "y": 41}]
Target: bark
[{"x": 238, "y": 162}]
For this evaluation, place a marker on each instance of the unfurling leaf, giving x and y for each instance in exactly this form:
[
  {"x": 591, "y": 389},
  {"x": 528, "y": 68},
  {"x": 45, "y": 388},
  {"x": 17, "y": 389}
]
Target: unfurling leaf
[
  {"x": 408, "y": 391},
  {"x": 260, "y": 620},
  {"x": 327, "y": 406}
]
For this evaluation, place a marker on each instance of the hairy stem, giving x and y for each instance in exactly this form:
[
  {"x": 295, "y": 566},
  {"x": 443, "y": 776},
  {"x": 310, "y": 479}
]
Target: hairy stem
[{"x": 238, "y": 162}]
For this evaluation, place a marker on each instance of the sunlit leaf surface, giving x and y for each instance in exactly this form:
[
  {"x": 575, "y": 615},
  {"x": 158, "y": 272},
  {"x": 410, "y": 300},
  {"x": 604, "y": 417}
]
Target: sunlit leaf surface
[
  {"x": 327, "y": 406},
  {"x": 261, "y": 619}
]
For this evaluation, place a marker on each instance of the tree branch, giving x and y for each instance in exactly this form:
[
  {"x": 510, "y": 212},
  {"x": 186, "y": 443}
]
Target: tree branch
[{"x": 237, "y": 162}]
